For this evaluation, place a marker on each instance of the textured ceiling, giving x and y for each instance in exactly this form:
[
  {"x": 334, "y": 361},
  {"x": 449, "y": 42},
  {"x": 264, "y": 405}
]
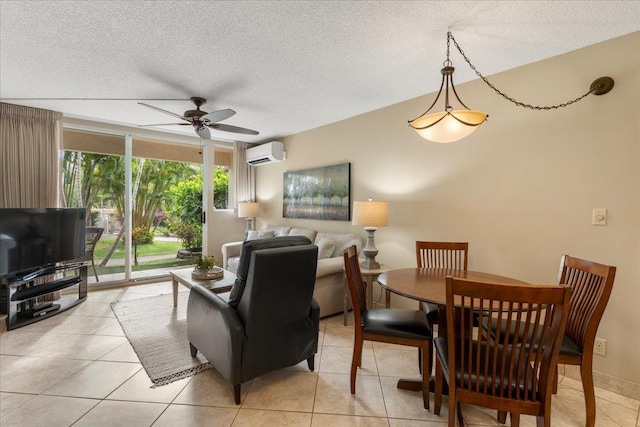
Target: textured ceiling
[{"x": 284, "y": 67}]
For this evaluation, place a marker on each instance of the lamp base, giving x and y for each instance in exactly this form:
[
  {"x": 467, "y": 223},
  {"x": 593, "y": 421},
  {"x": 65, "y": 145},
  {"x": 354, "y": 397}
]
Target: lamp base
[
  {"x": 370, "y": 264},
  {"x": 249, "y": 226},
  {"x": 370, "y": 251}
]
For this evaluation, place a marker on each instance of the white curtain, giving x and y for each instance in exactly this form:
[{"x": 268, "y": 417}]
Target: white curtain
[
  {"x": 29, "y": 142},
  {"x": 245, "y": 175}
]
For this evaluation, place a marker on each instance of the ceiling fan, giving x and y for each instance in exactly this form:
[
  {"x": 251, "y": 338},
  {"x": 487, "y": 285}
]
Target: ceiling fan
[{"x": 203, "y": 121}]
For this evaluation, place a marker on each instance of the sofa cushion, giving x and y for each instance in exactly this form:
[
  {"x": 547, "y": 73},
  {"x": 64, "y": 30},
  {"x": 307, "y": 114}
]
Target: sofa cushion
[
  {"x": 232, "y": 263},
  {"x": 311, "y": 234},
  {"x": 329, "y": 266},
  {"x": 253, "y": 235},
  {"x": 255, "y": 245},
  {"x": 278, "y": 230},
  {"x": 325, "y": 248},
  {"x": 342, "y": 241}
]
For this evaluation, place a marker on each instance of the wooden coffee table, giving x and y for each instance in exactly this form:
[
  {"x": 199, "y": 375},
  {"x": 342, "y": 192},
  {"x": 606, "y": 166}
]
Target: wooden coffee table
[{"x": 184, "y": 277}]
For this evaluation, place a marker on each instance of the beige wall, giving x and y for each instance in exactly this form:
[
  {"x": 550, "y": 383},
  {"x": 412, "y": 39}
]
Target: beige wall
[{"x": 521, "y": 189}]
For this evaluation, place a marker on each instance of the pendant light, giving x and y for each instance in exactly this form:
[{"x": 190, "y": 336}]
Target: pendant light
[
  {"x": 448, "y": 125},
  {"x": 451, "y": 125}
]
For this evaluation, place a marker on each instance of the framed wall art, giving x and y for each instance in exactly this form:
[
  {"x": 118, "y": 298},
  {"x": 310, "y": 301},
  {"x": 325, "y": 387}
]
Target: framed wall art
[{"x": 318, "y": 193}]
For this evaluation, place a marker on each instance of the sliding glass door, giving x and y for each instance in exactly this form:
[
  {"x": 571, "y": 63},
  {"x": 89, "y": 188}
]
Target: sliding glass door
[{"x": 149, "y": 207}]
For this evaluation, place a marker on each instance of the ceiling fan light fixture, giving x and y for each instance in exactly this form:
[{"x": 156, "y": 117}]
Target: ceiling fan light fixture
[{"x": 203, "y": 132}]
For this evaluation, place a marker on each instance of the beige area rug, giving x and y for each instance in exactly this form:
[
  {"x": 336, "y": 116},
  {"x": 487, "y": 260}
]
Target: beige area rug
[{"x": 157, "y": 332}]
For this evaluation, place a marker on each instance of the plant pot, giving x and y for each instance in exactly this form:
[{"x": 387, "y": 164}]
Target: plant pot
[{"x": 216, "y": 273}]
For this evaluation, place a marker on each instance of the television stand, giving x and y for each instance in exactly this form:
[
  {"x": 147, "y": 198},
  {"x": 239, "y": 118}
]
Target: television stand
[{"x": 19, "y": 295}]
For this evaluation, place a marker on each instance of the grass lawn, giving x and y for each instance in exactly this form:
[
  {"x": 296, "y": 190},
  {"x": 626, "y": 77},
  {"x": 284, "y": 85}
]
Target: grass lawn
[
  {"x": 147, "y": 265},
  {"x": 150, "y": 249},
  {"x": 155, "y": 248}
]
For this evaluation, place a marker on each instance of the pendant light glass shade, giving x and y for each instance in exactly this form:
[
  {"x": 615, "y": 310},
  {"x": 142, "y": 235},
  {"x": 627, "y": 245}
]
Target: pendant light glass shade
[{"x": 448, "y": 126}]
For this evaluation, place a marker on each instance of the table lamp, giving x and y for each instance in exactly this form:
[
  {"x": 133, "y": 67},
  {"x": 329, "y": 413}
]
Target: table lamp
[
  {"x": 372, "y": 215},
  {"x": 249, "y": 211}
]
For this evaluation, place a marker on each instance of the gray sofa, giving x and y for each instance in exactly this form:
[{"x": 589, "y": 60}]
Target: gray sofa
[{"x": 329, "y": 287}]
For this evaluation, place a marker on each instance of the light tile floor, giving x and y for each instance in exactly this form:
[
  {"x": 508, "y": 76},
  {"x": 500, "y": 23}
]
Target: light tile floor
[{"x": 78, "y": 369}]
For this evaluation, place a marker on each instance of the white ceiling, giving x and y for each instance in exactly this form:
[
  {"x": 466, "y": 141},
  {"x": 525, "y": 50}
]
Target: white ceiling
[{"x": 284, "y": 66}]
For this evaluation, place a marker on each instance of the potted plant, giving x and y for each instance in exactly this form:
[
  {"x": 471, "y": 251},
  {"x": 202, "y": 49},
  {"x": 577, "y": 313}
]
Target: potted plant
[
  {"x": 204, "y": 263},
  {"x": 204, "y": 268}
]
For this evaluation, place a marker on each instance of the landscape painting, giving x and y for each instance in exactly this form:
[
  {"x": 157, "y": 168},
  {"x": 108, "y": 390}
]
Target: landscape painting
[{"x": 318, "y": 193}]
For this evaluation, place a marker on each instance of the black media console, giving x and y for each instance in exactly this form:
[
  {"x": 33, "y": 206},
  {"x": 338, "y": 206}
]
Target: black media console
[{"x": 19, "y": 295}]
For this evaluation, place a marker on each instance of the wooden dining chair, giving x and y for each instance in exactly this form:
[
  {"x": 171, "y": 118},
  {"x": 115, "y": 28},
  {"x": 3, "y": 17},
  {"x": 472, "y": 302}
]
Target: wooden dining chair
[
  {"x": 591, "y": 285},
  {"x": 512, "y": 372},
  {"x": 442, "y": 255},
  {"x": 389, "y": 325}
]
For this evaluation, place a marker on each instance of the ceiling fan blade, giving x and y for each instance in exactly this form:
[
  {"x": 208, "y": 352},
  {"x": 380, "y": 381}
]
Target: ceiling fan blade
[
  {"x": 161, "y": 110},
  {"x": 217, "y": 116},
  {"x": 166, "y": 124},
  {"x": 203, "y": 132},
  {"x": 235, "y": 129}
]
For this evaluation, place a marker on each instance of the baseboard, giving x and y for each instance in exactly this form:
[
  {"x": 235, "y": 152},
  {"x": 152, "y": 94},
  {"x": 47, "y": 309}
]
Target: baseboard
[{"x": 606, "y": 382}]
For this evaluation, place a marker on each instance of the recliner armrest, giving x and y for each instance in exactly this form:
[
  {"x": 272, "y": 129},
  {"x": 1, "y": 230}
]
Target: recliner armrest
[{"x": 230, "y": 250}]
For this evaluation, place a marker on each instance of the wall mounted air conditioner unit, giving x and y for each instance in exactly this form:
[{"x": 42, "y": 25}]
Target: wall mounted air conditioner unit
[{"x": 270, "y": 152}]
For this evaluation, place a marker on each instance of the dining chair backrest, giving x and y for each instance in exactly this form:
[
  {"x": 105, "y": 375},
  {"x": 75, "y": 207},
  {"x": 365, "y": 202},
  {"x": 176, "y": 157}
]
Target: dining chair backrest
[
  {"x": 355, "y": 283},
  {"x": 591, "y": 285},
  {"x": 516, "y": 364},
  {"x": 92, "y": 236},
  {"x": 444, "y": 255}
]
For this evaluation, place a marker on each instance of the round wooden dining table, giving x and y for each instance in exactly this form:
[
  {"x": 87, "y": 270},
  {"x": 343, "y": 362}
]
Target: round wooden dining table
[{"x": 430, "y": 285}]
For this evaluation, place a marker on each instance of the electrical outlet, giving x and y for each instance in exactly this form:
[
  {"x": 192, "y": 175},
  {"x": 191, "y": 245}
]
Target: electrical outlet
[{"x": 600, "y": 347}]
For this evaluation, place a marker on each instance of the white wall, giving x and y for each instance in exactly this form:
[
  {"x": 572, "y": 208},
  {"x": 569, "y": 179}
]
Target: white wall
[{"x": 520, "y": 190}]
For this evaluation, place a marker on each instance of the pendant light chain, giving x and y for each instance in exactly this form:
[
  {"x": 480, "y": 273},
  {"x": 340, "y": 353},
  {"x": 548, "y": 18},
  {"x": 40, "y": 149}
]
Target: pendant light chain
[{"x": 505, "y": 96}]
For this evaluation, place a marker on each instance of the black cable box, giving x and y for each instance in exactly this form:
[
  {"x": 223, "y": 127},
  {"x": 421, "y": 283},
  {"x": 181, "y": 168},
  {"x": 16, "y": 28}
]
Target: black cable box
[{"x": 38, "y": 310}]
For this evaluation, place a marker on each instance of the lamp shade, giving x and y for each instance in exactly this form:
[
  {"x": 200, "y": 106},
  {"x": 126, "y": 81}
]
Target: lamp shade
[
  {"x": 371, "y": 214},
  {"x": 448, "y": 126},
  {"x": 248, "y": 210}
]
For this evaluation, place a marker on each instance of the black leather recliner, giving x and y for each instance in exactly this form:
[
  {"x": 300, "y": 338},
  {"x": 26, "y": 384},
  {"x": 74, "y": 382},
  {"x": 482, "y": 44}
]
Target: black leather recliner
[{"x": 271, "y": 320}]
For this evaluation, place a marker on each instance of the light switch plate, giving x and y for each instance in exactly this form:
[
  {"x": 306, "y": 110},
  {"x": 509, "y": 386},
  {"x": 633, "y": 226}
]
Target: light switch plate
[{"x": 599, "y": 217}]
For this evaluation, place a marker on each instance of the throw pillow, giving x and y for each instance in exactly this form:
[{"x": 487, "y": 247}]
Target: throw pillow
[
  {"x": 326, "y": 248},
  {"x": 253, "y": 234}
]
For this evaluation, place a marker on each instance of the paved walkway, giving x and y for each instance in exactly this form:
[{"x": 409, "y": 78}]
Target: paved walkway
[{"x": 113, "y": 262}]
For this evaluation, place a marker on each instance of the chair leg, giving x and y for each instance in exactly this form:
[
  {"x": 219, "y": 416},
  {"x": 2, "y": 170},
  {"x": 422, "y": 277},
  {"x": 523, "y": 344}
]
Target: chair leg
[
  {"x": 425, "y": 350},
  {"x": 454, "y": 408},
  {"x": 586, "y": 373},
  {"x": 437, "y": 391},
  {"x": 310, "y": 363},
  {"x": 355, "y": 362},
  {"x": 555, "y": 380},
  {"x": 194, "y": 350},
  {"x": 95, "y": 273},
  {"x": 236, "y": 393},
  {"x": 459, "y": 413},
  {"x": 420, "y": 360},
  {"x": 543, "y": 421},
  {"x": 515, "y": 420},
  {"x": 502, "y": 417}
]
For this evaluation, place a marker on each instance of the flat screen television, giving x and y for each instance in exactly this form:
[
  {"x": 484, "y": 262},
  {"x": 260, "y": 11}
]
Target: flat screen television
[{"x": 32, "y": 239}]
